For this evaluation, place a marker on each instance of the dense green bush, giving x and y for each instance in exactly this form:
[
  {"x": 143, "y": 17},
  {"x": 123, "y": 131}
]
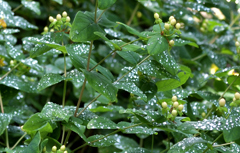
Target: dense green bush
[{"x": 119, "y": 76}]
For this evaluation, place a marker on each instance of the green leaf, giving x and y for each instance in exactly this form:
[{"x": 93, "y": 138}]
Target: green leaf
[
  {"x": 235, "y": 80},
  {"x": 149, "y": 89},
  {"x": 18, "y": 83},
  {"x": 167, "y": 61},
  {"x": 124, "y": 142},
  {"x": 132, "y": 30},
  {"x": 14, "y": 52},
  {"x": 231, "y": 129},
  {"x": 101, "y": 84},
  {"x": 169, "y": 84},
  {"x": 48, "y": 80},
  {"x": 76, "y": 77},
  {"x": 32, "y": 5},
  {"x": 108, "y": 141},
  {"x": 75, "y": 124},
  {"x": 181, "y": 42},
  {"x": 83, "y": 28},
  {"x": 157, "y": 44},
  {"x": 60, "y": 63},
  {"x": 57, "y": 112},
  {"x": 4, "y": 121},
  {"x": 101, "y": 123},
  {"x": 129, "y": 56},
  {"x": 59, "y": 1},
  {"x": 34, "y": 144},
  {"x": 188, "y": 144},
  {"x": 100, "y": 109},
  {"x": 101, "y": 35},
  {"x": 131, "y": 88},
  {"x": 35, "y": 122},
  {"x": 104, "y": 4},
  {"x": 134, "y": 130}
]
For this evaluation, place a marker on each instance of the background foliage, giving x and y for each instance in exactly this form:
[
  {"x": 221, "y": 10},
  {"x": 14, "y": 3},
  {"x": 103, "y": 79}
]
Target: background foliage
[{"x": 99, "y": 83}]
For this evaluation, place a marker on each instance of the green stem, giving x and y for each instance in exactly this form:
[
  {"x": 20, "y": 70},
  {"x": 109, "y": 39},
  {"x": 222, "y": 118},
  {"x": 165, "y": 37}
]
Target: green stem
[
  {"x": 96, "y": 7},
  {"x": 65, "y": 82},
  {"x": 2, "y": 144},
  {"x": 63, "y": 134},
  {"x": 235, "y": 20},
  {"x": 141, "y": 142},
  {"x": 18, "y": 141},
  {"x": 9, "y": 71},
  {"x": 100, "y": 15},
  {"x": 114, "y": 132},
  {"x": 1, "y": 103},
  {"x": 17, "y": 8},
  {"x": 84, "y": 83},
  {"x": 7, "y": 142},
  {"x": 198, "y": 57},
  {"x": 133, "y": 14},
  {"x": 67, "y": 137},
  {"x": 225, "y": 144},
  {"x": 152, "y": 143},
  {"x": 213, "y": 142},
  {"x": 228, "y": 87}
]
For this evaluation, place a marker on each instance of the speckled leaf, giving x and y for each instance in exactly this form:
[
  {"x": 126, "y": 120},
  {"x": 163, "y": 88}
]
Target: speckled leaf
[
  {"x": 134, "y": 130},
  {"x": 231, "y": 129},
  {"x": 104, "y": 4},
  {"x": 224, "y": 72},
  {"x": 33, "y": 64},
  {"x": 167, "y": 61},
  {"x": 181, "y": 42},
  {"x": 188, "y": 144},
  {"x": 157, "y": 44},
  {"x": 101, "y": 84},
  {"x": 48, "y": 80},
  {"x": 18, "y": 83},
  {"x": 32, "y": 5},
  {"x": 14, "y": 52},
  {"x": 218, "y": 59},
  {"x": 101, "y": 143},
  {"x": 76, "y": 77},
  {"x": 136, "y": 150},
  {"x": 124, "y": 142},
  {"x": 198, "y": 7},
  {"x": 169, "y": 84},
  {"x": 4, "y": 121},
  {"x": 101, "y": 123},
  {"x": 9, "y": 31},
  {"x": 33, "y": 146},
  {"x": 131, "y": 88},
  {"x": 129, "y": 47},
  {"x": 101, "y": 35},
  {"x": 83, "y": 28},
  {"x": 57, "y": 112},
  {"x": 35, "y": 122}
]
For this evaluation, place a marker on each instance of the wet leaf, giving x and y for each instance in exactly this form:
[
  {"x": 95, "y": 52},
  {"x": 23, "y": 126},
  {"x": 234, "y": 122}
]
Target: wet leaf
[
  {"x": 132, "y": 30},
  {"x": 189, "y": 144},
  {"x": 101, "y": 123},
  {"x": 4, "y": 121},
  {"x": 101, "y": 84},
  {"x": 18, "y": 83},
  {"x": 83, "y": 28},
  {"x": 181, "y": 42},
  {"x": 231, "y": 129},
  {"x": 59, "y": 1},
  {"x": 49, "y": 80},
  {"x": 75, "y": 124},
  {"x": 157, "y": 44},
  {"x": 123, "y": 142},
  {"x": 34, "y": 144},
  {"x": 32, "y": 5},
  {"x": 235, "y": 80},
  {"x": 134, "y": 130},
  {"x": 100, "y": 143},
  {"x": 104, "y": 4},
  {"x": 76, "y": 77},
  {"x": 167, "y": 61},
  {"x": 138, "y": 150},
  {"x": 169, "y": 84},
  {"x": 131, "y": 88},
  {"x": 101, "y": 35}
]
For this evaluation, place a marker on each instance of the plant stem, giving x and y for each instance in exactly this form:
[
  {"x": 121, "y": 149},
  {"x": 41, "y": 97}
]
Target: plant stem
[
  {"x": 106, "y": 136},
  {"x": 237, "y": 17},
  {"x": 133, "y": 68},
  {"x": 100, "y": 15},
  {"x": 198, "y": 57},
  {"x": 141, "y": 142},
  {"x": 65, "y": 82},
  {"x": 63, "y": 134},
  {"x": 1, "y": 103},
  {"x": 152, "y": 142},
  {"x": 17, "y": 8},
  {"x": 96, "y": 7},
  {"x": 213, "y": 142},
  {"x": 85, "y": 80},
  {"x": 224, "y": 144},
  {"x": 88, "y": 105},
  {"x": 18, "y": 141},
  {"x": 228, "y": 87},
  {"x": 133, "y": 14},
  {"x": 67, "y": 137},
  {"x": 7, "y": 142},
  {"x": 9, "y": 71},
  {"x": 112, "y": 53}
]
